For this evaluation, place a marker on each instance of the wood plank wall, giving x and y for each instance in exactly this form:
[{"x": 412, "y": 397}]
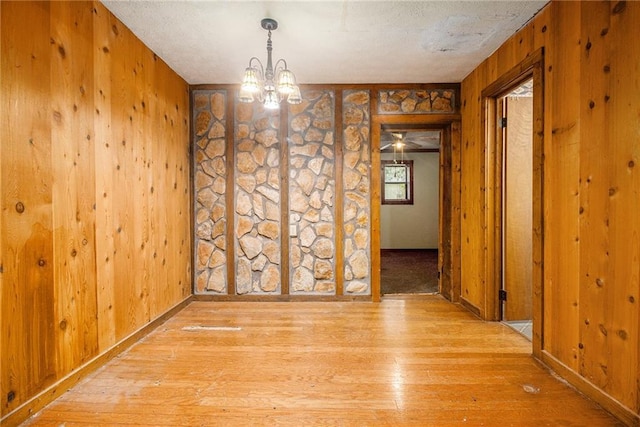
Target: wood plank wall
[
  {"x": 95, "y": 190},
  {"x": 591, "y": 192}
]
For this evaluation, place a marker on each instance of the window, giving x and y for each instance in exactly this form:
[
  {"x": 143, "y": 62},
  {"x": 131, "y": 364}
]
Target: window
[{"x": 397, "y": 182}]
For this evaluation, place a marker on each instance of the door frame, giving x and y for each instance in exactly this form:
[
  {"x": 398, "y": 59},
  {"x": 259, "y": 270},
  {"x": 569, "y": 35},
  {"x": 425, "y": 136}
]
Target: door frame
[
  {"x": 530, "y": 68},
  {"x": 449, "y": 283}
]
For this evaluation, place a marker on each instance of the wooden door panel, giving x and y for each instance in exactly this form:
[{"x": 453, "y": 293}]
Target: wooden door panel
[{"x": 517, "y": 202}]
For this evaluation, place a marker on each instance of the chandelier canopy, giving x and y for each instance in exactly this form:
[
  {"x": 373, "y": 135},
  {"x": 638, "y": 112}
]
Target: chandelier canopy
[{"x": 269, "y": 85}]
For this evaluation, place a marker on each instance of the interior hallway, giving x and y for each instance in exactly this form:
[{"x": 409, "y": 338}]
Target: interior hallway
[{"x": 422, "y": 361}]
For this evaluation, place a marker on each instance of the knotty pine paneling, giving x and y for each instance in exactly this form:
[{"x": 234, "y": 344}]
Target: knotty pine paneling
[
  {"x": 622, "y": 281},
  {"x": 473, "y": 200},
  {"x": 26, "y": 233},
  {"x": 561, "y": 188},
  {"x": 73, "y": 163},
  {"x": 95, "y": 191},
  {"x": 595, "y": 302},
  {"x": 591, "y": 192}
]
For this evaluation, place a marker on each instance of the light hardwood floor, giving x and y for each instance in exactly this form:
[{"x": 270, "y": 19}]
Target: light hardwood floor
[{"x": 399, "y": 362}]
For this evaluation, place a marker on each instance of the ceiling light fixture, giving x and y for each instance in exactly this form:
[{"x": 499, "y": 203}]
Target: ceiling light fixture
[
  {"x": 398, "y": 145},
  {"x": 269, "y": 85}
]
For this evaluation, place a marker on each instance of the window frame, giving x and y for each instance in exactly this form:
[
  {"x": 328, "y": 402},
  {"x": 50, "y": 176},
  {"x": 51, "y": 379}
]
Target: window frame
[{"x": 409, "y": 182}]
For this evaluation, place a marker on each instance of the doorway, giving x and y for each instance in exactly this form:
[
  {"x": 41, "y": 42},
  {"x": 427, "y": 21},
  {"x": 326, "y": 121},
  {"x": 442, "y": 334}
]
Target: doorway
[
  {"x": 409, "y": 213},
  {"x": 514, "y": 141},
  {"x": 515, "y": 113}
]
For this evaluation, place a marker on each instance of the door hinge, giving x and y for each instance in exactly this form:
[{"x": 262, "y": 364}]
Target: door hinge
[
  {"x": 502, "y": 295},
  {"x": 503, "y": 122}
]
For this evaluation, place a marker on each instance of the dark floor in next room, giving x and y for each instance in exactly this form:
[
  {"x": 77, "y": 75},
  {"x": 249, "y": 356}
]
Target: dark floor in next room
[{"x": 409, "y": 271}]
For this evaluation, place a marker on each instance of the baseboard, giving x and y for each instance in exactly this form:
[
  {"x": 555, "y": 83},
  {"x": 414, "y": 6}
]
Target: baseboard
[
  {"x": 51, "y": 393},
  {"x": 607, "y": 402},
  {"x": 280, "y": 298},
  {"x": 472, "y": 308}
]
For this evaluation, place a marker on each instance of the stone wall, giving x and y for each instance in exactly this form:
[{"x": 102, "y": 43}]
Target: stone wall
[
  {"x": 257, "y": 224},
  {"x": 312, "y": 188},
  {"x": 432, "y": 101},
  {"x": 319, "y": 206},
  {"x": 210, "y": 187},
  {"x": 356, "y": 178}
]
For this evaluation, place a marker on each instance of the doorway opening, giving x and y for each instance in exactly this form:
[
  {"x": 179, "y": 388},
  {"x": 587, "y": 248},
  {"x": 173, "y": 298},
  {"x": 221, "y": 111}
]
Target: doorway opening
[
  {"x": 409, "y": 212},
  {"x": 515, "y": 113},
  {"x": 513, "y": 117}
]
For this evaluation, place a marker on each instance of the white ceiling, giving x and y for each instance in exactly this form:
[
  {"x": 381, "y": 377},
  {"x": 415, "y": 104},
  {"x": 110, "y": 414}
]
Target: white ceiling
[
  {"x": 413, "y": 139},
  {"x": 345, "y": 41}
]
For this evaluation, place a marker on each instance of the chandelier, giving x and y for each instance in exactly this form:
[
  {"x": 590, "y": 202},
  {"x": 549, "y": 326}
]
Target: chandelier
[{"x": 269, "y": 85}]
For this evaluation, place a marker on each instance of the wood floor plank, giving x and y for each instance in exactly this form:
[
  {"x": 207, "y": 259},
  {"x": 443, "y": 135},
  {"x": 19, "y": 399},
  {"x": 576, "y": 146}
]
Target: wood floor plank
[{"x": 399, "y": 362}]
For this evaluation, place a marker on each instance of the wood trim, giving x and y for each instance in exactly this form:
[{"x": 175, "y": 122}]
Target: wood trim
[
  {"x": 471, "y": 307},
  {"x": 412, "y": 125},
  {"x": 281, "y": 298},
  {"x": 538, "y": 208},
  {"x": 531, "y": 68},
  {"x": 373, "y": 87},
  {"x": 409, "y": 199},
  {"x": 444, "y": 229},
  {"x": 424, "y": 119},
  {"x": 450, "y": 125},
  {"x": 610, "y": 404},
  {"x": 285, "y": 239},
  {"x": 444, "y": 217},
  {"x": 456, "y": 226},
  {"x": 374, "y": 191},
  {"x": 51, "y": 393},
  {"x": 230, "y": 195},
  {"x": 339, "y": 192},
  {"x": 515, "y": 76},
  {"x": 192, "y": 196},
  {"x": 413, "y": 150},
  {"x": 493, "y": 211}
]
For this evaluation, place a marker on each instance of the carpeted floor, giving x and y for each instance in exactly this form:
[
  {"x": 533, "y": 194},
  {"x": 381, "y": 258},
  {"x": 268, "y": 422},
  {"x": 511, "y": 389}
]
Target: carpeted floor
[{"x": 409, "y": 271}]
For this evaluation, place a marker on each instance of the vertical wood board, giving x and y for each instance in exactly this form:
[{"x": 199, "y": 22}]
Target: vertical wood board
[
  {"x": 27, "y": 215},
  {"x": 87, "y": 222}
]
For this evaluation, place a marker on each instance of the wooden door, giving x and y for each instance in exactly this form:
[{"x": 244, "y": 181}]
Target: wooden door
[{"x": 517, "y": 237}]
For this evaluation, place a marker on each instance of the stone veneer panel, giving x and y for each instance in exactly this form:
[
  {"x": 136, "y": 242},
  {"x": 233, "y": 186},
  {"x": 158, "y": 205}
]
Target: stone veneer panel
[
  {"x": 257, "y": 199},
  {"x": 404, "y": 101},
  {"x": 312, "y": 193},
  {"x": 209, "y": 187},
  {"x": 357, "y": 201}
]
